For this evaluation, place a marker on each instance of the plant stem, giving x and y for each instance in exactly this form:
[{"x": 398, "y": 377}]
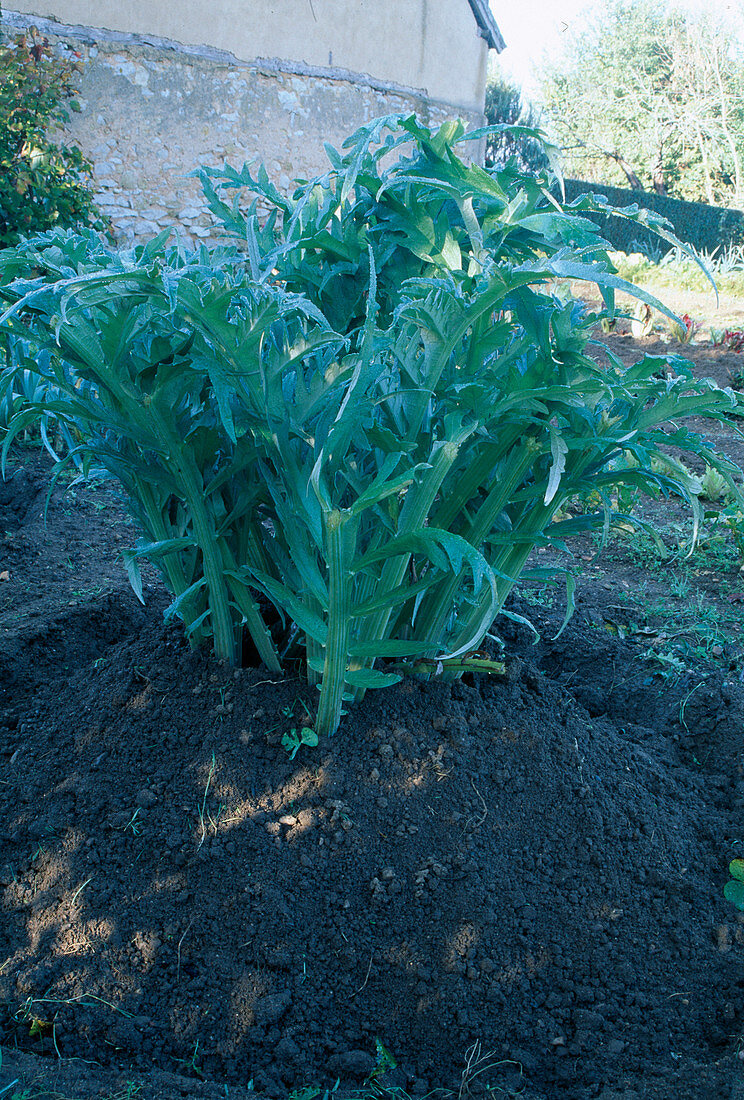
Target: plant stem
[
  {"x": 430, "y": 623},
  {"x": 248, "y": 608},
  {"x": 337, "y": 644},
  {"x": 186, "y": 472}
]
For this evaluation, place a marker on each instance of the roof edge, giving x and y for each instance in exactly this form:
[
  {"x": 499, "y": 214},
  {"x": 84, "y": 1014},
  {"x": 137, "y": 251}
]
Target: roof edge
[{"x": 487, "y": 25}]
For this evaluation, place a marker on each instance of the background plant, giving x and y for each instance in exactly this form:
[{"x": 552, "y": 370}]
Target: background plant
[
  {"x": 506, "y": 106},
  {"x": 677, "y": 272},
  {"x": 346, "y": 438},
  {"x": 42, "y": 183},
  {"x": 649, "y": 96},
  {"x": 734, "y": 889}
]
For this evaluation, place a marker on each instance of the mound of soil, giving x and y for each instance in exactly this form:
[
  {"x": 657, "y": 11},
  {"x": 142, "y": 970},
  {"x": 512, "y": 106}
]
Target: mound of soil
[{"x": 508, "y": 884}]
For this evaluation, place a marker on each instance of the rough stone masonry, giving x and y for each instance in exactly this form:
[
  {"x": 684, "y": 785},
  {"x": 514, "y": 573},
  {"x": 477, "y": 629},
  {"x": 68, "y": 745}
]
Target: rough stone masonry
[{"x": 153, "y": 111}]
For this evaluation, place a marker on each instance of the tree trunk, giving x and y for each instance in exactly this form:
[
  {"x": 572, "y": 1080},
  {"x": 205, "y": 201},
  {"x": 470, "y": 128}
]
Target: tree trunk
[
  {"x": 706, "y": 166},
  {"x": 659, "y": 182},
  {"x": 632, "y": 178}
]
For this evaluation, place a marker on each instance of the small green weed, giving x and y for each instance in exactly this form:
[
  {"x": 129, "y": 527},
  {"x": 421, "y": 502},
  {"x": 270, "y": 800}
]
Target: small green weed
[
  {"x": 725, "y": 535},
  {"x": 307, "y": 1092},
  {"x": 133, "y": 825},
  {"x": 79, "y": 891},
  {"x": 650, "y": 549},
  {"x": 130, "y": 1091},
  {"x": 679, "y": 585},
  {"x": 670, "y": 667},
  {"x": 205, "y": 816},
  {"x": 86, "y": 593},
  {"x": 478, "y": 1063},
  {"x": 684, "y": 624},
  {"x": 384, "y": 1062},
  {"x": 191, "y": 1065},
  {"x": 733, "y": 891},
  {"x": 720, "y": 544},
  {"x": 538, "y": 597},
  {"x": 292, "y": 740}
]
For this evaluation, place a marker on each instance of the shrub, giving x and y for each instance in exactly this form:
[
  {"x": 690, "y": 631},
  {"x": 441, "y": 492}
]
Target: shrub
[
  {"x": 706, "y": 228},
  {"x": 42, "y": 184},
  {"x": 367, "y": 418}
]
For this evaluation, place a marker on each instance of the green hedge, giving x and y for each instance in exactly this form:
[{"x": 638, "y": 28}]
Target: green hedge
[{"x": 705, "y": 227}]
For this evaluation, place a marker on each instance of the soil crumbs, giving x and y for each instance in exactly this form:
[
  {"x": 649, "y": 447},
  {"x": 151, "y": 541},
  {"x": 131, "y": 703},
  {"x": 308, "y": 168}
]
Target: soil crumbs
[{"x": 508, "y": 887}]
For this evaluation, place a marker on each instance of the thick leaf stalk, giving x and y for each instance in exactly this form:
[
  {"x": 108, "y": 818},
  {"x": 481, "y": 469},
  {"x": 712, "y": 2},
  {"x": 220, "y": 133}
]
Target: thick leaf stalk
[{"x": 333, "y": 683}]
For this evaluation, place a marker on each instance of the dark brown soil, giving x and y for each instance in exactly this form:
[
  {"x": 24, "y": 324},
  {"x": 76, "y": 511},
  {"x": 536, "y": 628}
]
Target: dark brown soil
[{"x": 524, "y": 874}]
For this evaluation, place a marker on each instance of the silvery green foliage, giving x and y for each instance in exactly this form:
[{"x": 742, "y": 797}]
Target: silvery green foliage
[{"x": 365, "y": 412}]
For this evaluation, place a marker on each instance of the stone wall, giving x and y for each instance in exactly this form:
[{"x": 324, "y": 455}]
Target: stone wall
[{"x": 153, "y": 112}]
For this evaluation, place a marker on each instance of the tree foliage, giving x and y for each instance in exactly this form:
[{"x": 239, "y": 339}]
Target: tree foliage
[
  {"x": 505, "y": 105},
  {"x": 42, "y": 184},
  {"x": 652, "y": 97}
]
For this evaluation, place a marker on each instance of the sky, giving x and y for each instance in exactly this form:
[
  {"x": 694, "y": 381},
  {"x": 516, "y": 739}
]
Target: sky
[{"x": 534, "y": 28}]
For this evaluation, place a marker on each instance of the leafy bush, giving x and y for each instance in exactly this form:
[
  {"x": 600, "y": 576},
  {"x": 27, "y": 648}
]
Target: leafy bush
[
  {"x": 42, "y": 184},
  {"x": 366, "y": 417}
]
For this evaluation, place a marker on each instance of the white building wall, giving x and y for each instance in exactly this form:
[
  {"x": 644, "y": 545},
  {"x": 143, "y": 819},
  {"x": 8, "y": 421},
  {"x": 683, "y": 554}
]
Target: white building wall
[{"x": 431, "y": 45}]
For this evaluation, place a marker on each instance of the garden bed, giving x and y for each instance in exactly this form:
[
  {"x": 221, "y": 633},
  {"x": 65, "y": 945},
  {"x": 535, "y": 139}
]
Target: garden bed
[{"x": 511, "y": 883}]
